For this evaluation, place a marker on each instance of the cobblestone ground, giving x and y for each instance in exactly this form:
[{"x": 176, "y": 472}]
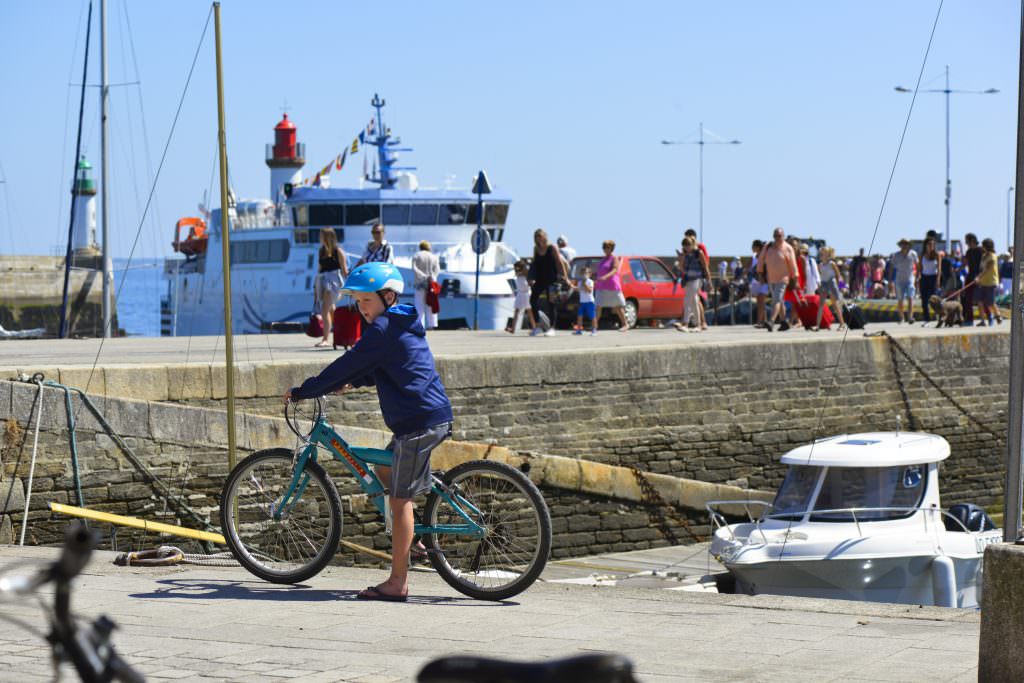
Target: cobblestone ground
[{"x": 221, "y": 624}]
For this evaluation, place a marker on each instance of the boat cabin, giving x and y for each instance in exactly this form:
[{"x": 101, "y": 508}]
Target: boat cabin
[{"x": 877, "y": 476}]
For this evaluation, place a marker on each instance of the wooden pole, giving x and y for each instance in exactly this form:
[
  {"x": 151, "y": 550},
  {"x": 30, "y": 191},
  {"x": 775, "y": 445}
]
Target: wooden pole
[{"x": 225, "y": 231}]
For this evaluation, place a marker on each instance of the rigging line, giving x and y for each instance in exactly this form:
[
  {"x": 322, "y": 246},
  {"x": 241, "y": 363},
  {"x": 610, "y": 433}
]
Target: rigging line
[
  {"x": 142, "y": 112},
  {"x": 7, "y": 206},
  {"x": 64, "y": 146},
  {"x": 202, "y": 277},
  {"x": 874, "y": 235},
  {"x": 129, "y": 154},
  {"x": 65, "y": 307},
  {"x": 167, "y": 146}
]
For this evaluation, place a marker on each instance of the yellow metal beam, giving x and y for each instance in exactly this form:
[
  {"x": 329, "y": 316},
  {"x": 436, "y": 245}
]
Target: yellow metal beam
[{"x": 155, "y": 527}]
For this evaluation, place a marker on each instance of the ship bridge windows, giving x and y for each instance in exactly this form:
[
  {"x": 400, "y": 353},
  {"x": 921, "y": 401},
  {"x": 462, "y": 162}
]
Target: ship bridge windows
[
  {"x": 494, "y": 214},
  {"x": 259, "y": 251},
  {"x": 423, "y": 214},
  {"x": 395, "y": 214},
  {"x": 362, "y": 214},
  {"x": 326, "y": 214},
  {"x": 452, "y": 214}
]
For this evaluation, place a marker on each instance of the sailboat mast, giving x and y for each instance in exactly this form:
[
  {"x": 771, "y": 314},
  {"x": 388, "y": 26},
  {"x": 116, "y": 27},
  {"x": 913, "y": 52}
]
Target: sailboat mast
[
  {"x": 62, "y": 331},
  {"x": 225, "y": 242},
  {"x": 104, "y": 169},
  {"x": 1014, "y": 494}
]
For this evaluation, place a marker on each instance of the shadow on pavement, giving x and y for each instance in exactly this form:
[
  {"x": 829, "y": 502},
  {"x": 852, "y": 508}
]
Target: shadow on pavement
[{"x": 207, "y": 589}]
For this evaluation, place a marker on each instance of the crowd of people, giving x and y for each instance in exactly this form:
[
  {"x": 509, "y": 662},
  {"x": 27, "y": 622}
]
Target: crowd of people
[
  {"x": 787, "y": 272},
  {"x": 786, "y": 283}
]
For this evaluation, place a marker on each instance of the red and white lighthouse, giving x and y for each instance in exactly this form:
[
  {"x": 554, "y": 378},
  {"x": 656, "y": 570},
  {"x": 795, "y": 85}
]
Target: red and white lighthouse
[{"x": 285, "y": 157}]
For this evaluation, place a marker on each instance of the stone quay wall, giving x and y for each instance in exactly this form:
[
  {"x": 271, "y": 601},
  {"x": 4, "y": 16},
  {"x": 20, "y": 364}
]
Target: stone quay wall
[
  {"x": 711, "y": 415},
  {"x": 595, "y": 508},
  {"x": 720, "y": 413}
]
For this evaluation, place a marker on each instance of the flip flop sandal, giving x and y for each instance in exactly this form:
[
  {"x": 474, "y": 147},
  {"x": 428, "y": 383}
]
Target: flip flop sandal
[{"x": 374, "y": 593}]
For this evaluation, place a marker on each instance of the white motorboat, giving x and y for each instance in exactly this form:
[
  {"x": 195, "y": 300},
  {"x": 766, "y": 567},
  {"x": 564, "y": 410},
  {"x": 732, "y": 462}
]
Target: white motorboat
[{"x": 858, "y": 517}]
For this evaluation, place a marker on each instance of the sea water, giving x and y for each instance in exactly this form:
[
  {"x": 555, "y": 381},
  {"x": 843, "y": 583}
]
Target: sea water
[{"x": 138, "y": 286}]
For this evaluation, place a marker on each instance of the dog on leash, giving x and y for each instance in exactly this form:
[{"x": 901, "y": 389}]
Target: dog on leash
[{"x": 949, "y": 312}]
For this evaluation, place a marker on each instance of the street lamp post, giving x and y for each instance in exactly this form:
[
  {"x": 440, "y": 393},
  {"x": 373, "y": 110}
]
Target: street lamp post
[
  {"x": 1009, "y": 218},
  {"x": 949, "y": 186},
  {"x": 701, "y": 142}
]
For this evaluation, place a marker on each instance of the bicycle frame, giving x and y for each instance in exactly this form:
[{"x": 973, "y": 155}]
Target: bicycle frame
[{"x": 359, "y": 462}]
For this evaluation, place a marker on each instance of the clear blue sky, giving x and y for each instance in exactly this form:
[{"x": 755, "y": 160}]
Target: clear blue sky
[{"x": 563, "y": 103}]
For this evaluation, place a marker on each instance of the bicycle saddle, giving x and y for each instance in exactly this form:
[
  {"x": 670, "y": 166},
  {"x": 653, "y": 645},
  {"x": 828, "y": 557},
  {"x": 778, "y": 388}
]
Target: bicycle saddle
[{"x": 593, "y": 668}]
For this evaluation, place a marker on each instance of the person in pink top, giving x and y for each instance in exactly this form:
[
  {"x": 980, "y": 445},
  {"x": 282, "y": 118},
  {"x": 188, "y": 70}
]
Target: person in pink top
[{"x": 608, "y": 284}]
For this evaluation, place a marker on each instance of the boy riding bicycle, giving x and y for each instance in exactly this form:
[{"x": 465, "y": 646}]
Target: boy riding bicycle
[{"x": 392, "y": 355}]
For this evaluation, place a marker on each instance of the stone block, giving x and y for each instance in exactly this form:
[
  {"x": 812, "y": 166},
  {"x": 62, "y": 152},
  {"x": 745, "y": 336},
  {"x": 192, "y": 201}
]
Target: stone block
[
  {"x": 141, "y": 382},
  {"x": 6, "y": 530},
  {"x": 5, "y": 399},
  {"x": 12, "y": 494},
  {"x": 23, "y": 400},
  {"x": 85, "y": 379},
  {"x": 1002, "y": 615},
  {"x": 244, "y": 379},
  {"x": 177, "y": 424},
  {"x": 189, "y": 382},
  {"x": 129, "y": 491},
  {"x": 128, "y": 417}
]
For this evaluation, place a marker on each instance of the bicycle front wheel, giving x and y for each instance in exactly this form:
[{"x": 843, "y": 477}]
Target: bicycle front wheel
[
  {"x": 278, "y": 541},
  {"x": 517, "y": 525}
]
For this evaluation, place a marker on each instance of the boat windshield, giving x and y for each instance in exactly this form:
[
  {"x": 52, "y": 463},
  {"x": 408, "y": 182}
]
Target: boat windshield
[
  {"x": 794, "y": 496},
  {"x": 870, "y": 487}
]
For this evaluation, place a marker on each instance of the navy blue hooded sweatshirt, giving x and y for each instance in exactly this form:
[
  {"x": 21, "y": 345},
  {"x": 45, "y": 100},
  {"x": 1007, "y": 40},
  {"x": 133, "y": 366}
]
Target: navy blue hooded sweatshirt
[{"x": 392, "y": 355}]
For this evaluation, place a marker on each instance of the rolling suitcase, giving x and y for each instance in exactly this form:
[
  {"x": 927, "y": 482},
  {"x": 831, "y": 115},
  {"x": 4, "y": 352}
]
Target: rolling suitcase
[
  {"x": 808, "y": 312},
  {"x": 348, "y": 326}
]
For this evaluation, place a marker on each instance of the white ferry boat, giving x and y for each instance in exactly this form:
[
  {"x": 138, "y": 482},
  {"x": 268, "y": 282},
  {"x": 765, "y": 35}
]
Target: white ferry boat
[
  {"x": 275, "y": 243},
  {"x": 858, "y": 517}
]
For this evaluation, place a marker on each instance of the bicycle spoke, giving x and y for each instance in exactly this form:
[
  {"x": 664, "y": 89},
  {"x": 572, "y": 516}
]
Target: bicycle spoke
[
  {"x": 274, "y": 539},
  {"x": 517, "y": 533}
]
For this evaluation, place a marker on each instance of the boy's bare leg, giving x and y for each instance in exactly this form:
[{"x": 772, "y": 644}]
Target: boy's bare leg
[
  {"x": 401, "y": 538},
  {"x": 402, "y": 527}
]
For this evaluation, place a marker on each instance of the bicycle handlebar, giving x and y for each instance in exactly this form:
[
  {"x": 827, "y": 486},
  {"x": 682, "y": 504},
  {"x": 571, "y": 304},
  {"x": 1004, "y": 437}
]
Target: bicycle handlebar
[{"x": 88, "y": 648}]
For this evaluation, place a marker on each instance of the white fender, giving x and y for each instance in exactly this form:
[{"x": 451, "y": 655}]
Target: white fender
[{"x": 943, "y": 582}]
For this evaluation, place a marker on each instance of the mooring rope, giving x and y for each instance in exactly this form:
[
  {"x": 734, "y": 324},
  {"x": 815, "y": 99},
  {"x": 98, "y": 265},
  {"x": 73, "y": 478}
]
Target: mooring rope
[{"x": 38, "y": 379}]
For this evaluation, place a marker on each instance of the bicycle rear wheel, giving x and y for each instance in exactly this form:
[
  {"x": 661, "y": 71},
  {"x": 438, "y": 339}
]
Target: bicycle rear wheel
[
  {"x": 289, "y": 547},
  {"x": 515, "y": 517}
]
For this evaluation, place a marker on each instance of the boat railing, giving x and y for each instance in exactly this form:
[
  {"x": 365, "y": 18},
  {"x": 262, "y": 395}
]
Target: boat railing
[{"x": 718, "y": 520}]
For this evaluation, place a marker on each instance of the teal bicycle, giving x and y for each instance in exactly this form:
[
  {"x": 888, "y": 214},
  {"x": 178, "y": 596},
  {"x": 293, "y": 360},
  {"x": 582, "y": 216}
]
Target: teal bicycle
[{"x": 484, "y": 524}]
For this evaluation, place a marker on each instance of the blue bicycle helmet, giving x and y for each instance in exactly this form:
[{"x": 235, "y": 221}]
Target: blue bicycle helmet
[{"x": 373, "y": 277}]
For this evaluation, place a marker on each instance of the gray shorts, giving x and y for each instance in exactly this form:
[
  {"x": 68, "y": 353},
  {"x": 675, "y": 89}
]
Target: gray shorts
[
  {"x": 410, "y": 469},
  {"x": 778, "y": 290},
  {"x": 610, "y": 298}
]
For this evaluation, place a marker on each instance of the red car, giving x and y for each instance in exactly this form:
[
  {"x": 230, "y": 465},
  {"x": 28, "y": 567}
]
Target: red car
[{"x": 650, "y": 289}]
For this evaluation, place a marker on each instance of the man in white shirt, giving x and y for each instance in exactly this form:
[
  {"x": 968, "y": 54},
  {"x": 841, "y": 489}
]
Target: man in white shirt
[{"x": 567, "y": 252}]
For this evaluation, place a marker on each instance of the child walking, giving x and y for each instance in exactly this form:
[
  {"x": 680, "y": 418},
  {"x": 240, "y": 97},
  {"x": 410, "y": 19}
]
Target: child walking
[
  {"x": 522, "y": 302},
  {"x": 587, "y": 307},
  {"x": 392, "y": 355}
]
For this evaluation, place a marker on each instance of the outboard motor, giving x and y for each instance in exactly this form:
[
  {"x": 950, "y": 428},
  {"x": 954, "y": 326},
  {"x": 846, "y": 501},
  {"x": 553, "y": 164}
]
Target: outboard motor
[{"x": 971, "y": 516}]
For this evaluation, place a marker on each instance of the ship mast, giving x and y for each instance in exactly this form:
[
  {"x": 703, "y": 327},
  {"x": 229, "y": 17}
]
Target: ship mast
[
  {"x": 104, "y": 171},
  {"x": 386, "y": 148}
]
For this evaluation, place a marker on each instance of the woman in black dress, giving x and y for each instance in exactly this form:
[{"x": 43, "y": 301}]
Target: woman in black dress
[
  {"x": 547, "y": 269},
  {"x": 330, "y": 277}
]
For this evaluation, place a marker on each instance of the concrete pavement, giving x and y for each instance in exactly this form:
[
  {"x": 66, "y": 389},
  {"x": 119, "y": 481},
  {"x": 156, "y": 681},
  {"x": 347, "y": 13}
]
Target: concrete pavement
[
  {"x": 25, "y": 354},
  {"x": 216, "y": 623}
]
